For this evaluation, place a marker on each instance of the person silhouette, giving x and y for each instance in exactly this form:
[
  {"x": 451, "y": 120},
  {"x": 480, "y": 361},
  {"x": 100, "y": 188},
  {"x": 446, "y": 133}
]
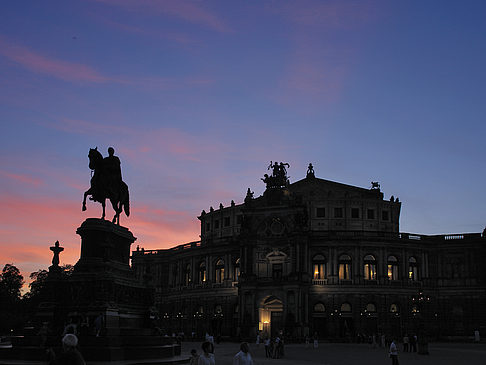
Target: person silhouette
[{"x": 112, "y": 168}]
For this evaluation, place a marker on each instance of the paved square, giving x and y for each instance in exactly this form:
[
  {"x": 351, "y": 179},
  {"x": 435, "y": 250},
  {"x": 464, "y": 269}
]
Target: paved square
[{"x": 351, "y": 354}]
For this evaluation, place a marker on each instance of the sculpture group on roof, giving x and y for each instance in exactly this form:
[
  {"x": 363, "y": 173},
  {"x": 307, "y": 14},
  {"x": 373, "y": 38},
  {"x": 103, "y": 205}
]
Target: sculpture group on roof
[{"x": 278, "y": 179}]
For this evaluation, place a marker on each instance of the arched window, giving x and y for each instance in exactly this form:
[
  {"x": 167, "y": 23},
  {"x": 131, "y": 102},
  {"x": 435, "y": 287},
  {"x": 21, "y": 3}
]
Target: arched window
[
  {"x": 236, "y": 275},
  {"x": 369, "y": 267},
  {"x": 370, "y": 308},
  {"x": 187, "y": 275},
  {"x": 392, "y": 268},
  {"x": 319, "y": 267},
  {"x": 394, "y": 308},
  {"x": 344, "y": 267},
  {"x": 202, "y": 272},
  {"x": 346, "y": 308},
  {"x": 319, "y": 308},
  {"x": 218, "y": 309},
  {"x": 412, "y": 269},
  {"x": 219, "y": 271}
]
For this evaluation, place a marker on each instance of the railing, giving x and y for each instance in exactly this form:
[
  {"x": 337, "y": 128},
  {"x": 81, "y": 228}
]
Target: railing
[{"x": 319, "y": 281}]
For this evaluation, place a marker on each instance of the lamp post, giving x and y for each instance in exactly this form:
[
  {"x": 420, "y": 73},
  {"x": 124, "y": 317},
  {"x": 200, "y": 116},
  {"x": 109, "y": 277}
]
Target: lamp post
[{"x": 420, "y": 309}]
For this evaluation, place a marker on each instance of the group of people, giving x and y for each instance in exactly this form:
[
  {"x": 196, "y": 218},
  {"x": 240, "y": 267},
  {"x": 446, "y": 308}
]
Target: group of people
[
  {"x": 243, "y": 357},
  {"x": 274, "y": 347}
]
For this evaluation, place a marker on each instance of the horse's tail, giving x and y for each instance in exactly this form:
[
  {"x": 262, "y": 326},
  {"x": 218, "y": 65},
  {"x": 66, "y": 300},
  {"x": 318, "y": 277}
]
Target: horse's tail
[{"x": 126, "y": 203}]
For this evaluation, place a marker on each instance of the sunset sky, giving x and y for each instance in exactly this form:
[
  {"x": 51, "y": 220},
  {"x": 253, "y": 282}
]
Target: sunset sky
[{"x": 197, "y": 97}]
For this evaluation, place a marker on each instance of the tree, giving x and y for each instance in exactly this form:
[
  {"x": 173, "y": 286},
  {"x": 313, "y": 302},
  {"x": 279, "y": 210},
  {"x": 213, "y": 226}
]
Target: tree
[{"x": 11, "y": 282}]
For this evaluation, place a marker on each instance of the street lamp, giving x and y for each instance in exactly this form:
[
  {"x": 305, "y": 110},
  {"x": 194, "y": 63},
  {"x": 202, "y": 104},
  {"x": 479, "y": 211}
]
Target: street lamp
[{"x": 420, "y": 310}]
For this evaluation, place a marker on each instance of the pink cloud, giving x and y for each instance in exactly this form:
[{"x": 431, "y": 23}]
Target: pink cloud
[
  {"x": 22, "y": 178},
  {"x": 189, "y": 11},
  {"x": 42, "y": 64}
]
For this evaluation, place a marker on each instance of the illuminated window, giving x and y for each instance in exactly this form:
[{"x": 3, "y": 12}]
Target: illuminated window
[
  {"x": 319, "y": 267},
  {"x": 392, "y": 268},
  {"x": 202, "y": 272},
  {"x": 319, "y": 307},
  {"x": 412, "y": 269},
  {"x": 346, "y": 308},
  {"x": 236, "y": 276},
  {"x": 369, "y": 267},
  {"x": 394, "y": 308},
  {"x": 344, "y": 267},
  {"x": 219, "y": 271},
  {"x": 187, "y": 274}
]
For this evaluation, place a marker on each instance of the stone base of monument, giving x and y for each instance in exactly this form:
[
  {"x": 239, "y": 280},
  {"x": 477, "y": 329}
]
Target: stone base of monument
[{"x": 101, "y": 285}]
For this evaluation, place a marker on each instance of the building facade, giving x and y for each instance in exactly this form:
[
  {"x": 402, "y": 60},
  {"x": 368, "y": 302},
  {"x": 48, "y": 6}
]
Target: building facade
[{"x": 316, "y": 256}]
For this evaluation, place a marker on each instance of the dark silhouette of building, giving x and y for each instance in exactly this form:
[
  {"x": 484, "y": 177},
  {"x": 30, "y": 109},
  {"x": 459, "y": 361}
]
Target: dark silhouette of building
[{"x": 317, "y": 256}]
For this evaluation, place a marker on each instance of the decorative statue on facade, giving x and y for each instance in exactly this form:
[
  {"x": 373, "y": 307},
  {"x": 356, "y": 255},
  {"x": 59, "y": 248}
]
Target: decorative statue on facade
[
  {"x": 107, "y": 183},
  {"x": 279, "y": 175},
  {"x": 310, "y": 171},
  {"x": 56, "y": 249},
  {"x": 375, "y": 185}
]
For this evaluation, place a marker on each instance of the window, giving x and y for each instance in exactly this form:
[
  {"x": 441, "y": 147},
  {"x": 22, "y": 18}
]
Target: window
[
  {"x": 216, "y": 224},
  {"x": 338, "y": 212},
  {"x": 226, "y": 221},
  {"x": 354, "y": 212},
  {"x": 239, "y": 219},
  {"x": 236, "y": 275},
  {"x": 208, "y": 227},
  {"x": 394, "y": 308},
  {"x": 371, "y": 214},
  {"x": 277, "y": 271},
  {"x": 392, "y": 268},
  {"x": 370, "y": 308},
  {"x": 187, "y": 275},
  {"x": 344, "y": 267},
  {"x": 219, "y": 271},
  {"x": 319, "y": 267},
  {"x": 319, "y": 307},
  {"x": 384, "y": 215},
  {"x": 320, "y": 212},
  {"x": 346, "y": 308},
  {"x": 202, "y": 272},
  {"x": 412, "y": 269},
  {"x": 218, "y": 309},
  {"x": 369, "y": 267}
]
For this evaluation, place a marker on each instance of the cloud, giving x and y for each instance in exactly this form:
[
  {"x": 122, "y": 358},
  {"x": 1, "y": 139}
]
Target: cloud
[
  {"x": 22, "y": 178},
  {"x": 189, "y": 11},
  {"x": 38, "y": 63},
  {"x": 76, "y": 72}
]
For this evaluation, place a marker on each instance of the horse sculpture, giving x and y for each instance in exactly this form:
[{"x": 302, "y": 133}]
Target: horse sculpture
[{"x": 103, "y": 186}]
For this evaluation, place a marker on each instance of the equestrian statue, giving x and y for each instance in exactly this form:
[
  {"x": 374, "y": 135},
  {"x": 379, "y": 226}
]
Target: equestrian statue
[{"x": 107, "y": 183}]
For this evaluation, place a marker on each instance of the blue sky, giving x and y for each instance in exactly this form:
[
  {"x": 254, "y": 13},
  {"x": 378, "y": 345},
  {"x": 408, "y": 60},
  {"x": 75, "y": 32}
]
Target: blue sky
[{"x": 198, "y": 96}]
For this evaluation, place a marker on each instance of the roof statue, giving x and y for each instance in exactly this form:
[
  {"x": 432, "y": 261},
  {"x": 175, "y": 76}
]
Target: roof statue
[
  {"x": 278, "y": 179},
  {"x": 56, "y": 249},
  {"x": 310, "y": 171},
  {"x": 375, "y": 185},
  {"x": 107, "y": 183}
]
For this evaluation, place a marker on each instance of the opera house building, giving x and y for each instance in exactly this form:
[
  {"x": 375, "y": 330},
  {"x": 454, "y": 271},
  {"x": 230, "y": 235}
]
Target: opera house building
[{"x": 316, "y": 256}]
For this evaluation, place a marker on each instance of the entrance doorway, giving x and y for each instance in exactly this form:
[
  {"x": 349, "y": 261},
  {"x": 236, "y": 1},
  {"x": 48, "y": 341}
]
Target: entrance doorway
[{"x": 271, "y": 316}]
